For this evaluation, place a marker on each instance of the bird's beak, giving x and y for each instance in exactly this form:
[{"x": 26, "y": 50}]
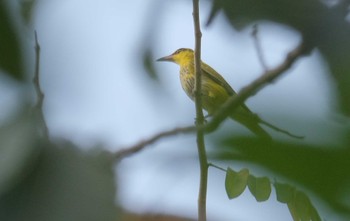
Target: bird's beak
[{"x": 166, "y": 58}]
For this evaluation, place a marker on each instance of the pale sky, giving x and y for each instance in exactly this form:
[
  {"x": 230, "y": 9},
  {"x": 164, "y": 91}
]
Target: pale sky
[{"x": 96, "y": 92}]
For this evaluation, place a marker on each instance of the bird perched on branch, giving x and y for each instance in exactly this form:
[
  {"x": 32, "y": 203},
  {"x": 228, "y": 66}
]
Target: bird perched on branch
[{"x": 215, "y": 91}]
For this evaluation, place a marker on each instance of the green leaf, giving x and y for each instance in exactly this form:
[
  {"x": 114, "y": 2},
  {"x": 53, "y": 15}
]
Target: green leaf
[
  {"x": 260, "y": 187},
  {"x": 10, "y": 55},
  {"x": 314, "y": 214},
  {"x": 287, "y": 159},
  {"x": 302, "y": 205},
  {"x": 284, "y": 192},
  {"x": 236, "y": 182},
  {"x": 293, "y": 210},
  {"x": 301, "y": 209}
]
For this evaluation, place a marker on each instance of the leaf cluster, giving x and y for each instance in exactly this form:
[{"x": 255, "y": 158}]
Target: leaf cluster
[{"x": 298, "y": 203}]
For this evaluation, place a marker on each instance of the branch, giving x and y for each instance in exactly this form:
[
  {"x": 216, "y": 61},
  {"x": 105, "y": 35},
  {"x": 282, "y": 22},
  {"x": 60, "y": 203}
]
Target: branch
[
  {"x": 217, "y": 167},
  {"x": 203, "y": 162},
  {"x": 124, "y": 152},
  {"x": 267, "y": 77},
  {"x": 40, "y": 95},
  {"x": 197, "y": 64}
]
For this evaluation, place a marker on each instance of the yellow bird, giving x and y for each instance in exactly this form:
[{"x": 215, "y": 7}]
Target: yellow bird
[{"x": 215, "y": 91}]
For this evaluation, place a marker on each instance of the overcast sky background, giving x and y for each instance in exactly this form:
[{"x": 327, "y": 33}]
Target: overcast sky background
[{"x": 96, "y": 92}]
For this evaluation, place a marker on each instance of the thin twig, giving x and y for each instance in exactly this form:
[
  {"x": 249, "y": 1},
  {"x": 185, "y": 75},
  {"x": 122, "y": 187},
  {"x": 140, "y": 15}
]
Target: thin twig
[
  {"x": 280, "y": 130},
  {"x": 124, "y": 152},
  {"x": 258, "y": 47},
  {"x": 203, "y": 161},
  {"x": 217, "y": 167},
  {"x": 39, "y": 93}
]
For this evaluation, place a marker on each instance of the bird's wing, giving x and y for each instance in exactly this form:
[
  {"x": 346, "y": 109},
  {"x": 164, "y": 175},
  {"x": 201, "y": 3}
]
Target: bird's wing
[{"x": 217, "y": 78}]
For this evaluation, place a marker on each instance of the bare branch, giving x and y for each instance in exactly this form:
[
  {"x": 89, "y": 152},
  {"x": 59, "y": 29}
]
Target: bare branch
[
  {"x": 40, "y": 95},
  {"x": 197, "y": 64},
  {"x": 203, "y": 161},
  {"x": 124, "y": 152},
  {"x": 217, "y": 167}
]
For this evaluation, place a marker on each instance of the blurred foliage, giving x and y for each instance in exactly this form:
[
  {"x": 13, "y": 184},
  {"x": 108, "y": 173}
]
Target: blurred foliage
[
  {"x": 18, "y": 148},
  {"x": 322, "y": 169},
  {"x": 299, "y": 204},
  {"x": 322, "y": 27},
  {"x": 148, "y": 64},
  {"x": 10, "y": 52},
  {"x": 151, "y": 24},
  {"x": 127, "y": 216},
  {"x": 43, "y": 181},
  {"x": 40, "y": 180},
  {"x": 27, "y": 7}
]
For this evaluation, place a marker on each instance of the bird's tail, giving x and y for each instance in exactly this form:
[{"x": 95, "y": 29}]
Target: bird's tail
[{"x": 252, "y": 124}]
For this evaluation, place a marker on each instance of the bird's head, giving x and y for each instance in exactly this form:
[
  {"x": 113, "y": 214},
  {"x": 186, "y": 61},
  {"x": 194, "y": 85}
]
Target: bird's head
[{"x": 181, "y": 56}]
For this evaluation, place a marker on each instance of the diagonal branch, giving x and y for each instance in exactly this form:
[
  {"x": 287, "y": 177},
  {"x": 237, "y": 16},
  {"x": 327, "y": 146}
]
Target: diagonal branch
[
  {"x": 124, "y": 152},
  {"x": 267, "y": 77}
]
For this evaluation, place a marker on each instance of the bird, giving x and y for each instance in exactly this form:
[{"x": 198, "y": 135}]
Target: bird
[{"x": 215, "y": 91}]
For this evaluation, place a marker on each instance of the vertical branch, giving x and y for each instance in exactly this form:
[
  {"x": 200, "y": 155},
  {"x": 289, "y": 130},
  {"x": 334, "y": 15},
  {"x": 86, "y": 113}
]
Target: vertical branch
[
  {"x": 203, "y": 162},
  {"x": 39, "y": 93}
]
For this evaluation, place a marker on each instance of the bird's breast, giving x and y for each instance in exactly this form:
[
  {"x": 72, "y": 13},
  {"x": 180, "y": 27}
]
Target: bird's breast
[{"x": 187, "y": 79}]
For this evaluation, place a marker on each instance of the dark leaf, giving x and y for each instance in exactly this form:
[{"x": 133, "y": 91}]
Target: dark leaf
[
  {"x": 293, "y": 210},
  {"x": 302, "y": 206},
  {"x": 314, "y": 214},
  {"x": 10, "y": 53},
  {"x": 284, "y": 192}
]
